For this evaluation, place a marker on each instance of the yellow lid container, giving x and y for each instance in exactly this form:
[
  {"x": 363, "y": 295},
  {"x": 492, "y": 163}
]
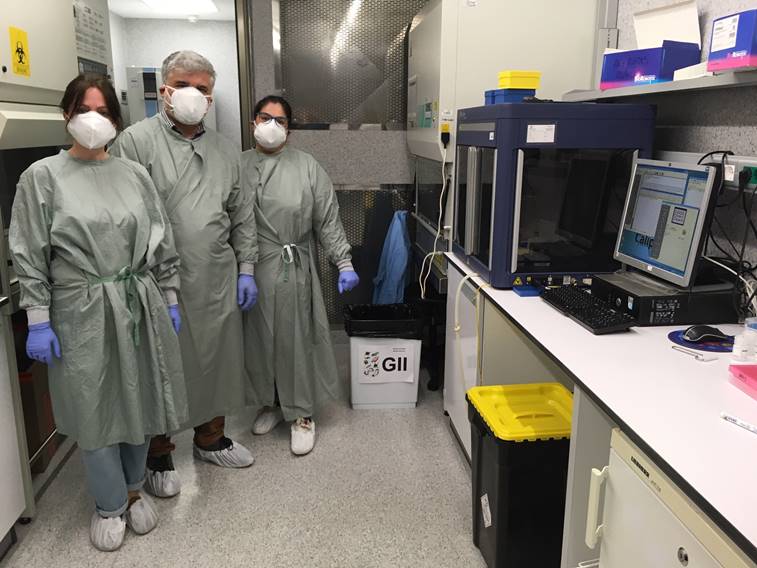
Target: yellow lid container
[
  {"x": 519, "y": 79},
  {"x": 519, "y": 413}
]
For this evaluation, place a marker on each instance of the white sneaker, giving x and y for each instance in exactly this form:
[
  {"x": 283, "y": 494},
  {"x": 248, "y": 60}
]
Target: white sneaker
[
  {"x": 303, "y": 436},
  {"x": 141, "y": 517},
  {"x": 235, "y": 456},
  {"x": 267, "y": 420},
  {"x": 107, "y": 533}
]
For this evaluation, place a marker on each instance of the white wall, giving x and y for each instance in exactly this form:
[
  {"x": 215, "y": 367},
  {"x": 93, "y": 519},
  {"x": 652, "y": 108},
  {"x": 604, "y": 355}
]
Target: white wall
[
  {"x": 147, "y": 42},
  {"x": 118, "y": 50}
]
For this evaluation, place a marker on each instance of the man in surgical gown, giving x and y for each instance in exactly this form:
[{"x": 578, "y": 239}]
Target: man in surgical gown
[
  {"x": 290, "y": 359},
  {"x": 196, "y": 171}
]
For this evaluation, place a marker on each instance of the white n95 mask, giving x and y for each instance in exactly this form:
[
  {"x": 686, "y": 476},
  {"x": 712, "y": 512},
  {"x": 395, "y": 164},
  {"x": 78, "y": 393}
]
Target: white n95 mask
[
  {"x": 189, "y": 106},
  {"x": 91, "y": 129},
  {"x": 270, "y": 134}
]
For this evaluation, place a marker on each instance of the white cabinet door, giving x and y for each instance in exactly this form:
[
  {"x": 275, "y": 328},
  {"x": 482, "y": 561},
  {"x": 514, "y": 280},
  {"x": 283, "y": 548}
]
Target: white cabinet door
[
  {"x": 640, "y": 530},
  {"x": 461, "y": 355},
  {"x": 648, "y": 521},
  {"x": 12, "y": 500}
]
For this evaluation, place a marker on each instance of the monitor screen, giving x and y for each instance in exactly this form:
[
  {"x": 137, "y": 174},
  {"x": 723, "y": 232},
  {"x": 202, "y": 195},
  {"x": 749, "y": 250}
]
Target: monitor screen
[{"x": 663, "y": 222}]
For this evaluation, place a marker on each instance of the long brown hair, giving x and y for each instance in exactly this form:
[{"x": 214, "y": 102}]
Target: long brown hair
[{"x": 77, "y": 88}]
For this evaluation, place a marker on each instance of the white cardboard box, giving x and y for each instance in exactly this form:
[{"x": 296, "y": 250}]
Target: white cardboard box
[{"x": 384, "y": 372}]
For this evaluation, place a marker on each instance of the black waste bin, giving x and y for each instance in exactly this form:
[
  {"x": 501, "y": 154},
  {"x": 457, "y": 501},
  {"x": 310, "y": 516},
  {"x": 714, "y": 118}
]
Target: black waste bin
[
  {"x": 400, "y": 321},
  {"x": 520, "y": 438}
]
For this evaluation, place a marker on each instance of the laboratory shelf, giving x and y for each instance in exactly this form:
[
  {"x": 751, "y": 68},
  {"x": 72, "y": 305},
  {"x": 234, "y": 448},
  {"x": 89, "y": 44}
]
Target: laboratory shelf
[{"x": 722, "y": 81}]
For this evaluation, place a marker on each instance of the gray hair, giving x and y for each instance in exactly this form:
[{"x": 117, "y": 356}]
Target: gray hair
[{"x": 188, "y": 61}]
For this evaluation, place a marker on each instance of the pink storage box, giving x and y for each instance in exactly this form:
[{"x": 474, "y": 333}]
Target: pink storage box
[{"x": 745, "y": 378}]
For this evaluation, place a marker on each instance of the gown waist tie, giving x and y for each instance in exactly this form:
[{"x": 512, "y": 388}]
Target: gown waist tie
[{"x": 129, "y": 277}]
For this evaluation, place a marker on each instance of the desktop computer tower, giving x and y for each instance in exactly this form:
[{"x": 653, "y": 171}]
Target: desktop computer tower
[{"x": 652, "y": 302}]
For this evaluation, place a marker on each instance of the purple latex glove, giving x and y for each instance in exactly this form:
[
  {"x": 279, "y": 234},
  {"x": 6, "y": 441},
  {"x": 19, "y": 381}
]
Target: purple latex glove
[
  {"x": 173, "y": 311},
  {"x": 42, "y": 343},
  {"x": 347, "y": 281},
  {"x": 247, "y": 292}
]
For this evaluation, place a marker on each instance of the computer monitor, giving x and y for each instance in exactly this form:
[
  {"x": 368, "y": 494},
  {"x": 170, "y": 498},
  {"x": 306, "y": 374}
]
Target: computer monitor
[{"x": 665, "y": 219}]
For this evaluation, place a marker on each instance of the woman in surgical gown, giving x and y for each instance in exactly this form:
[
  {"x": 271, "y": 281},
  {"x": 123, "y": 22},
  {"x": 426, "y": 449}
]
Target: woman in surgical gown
[
  {"x": 289, "y": 357},
  {"x": 98, "y": 271}
]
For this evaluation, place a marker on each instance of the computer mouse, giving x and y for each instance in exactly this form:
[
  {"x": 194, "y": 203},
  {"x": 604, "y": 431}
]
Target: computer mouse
[{"x": 699, "y": 333}]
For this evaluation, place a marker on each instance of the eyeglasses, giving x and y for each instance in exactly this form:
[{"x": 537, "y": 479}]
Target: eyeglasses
[{"x": 265, "y": 117}]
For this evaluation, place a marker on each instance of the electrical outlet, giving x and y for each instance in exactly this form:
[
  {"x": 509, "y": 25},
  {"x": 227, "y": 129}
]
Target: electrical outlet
[{"x": 739, "y": 163}]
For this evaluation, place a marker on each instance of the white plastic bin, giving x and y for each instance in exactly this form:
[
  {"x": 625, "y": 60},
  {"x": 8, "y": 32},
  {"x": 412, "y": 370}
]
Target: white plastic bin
[{"x": 384, "y": 372}]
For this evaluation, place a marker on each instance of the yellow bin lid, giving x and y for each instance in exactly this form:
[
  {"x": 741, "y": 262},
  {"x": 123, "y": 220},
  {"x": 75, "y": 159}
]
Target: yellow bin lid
[
  {"x": 511, "y": 74},
  {"x": 519, "y": 413}
]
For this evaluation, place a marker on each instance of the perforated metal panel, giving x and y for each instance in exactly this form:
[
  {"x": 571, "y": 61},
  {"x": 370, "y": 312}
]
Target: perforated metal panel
[
  {"x": 366, "y": 213},
  {"x": 345, "y": 60}
]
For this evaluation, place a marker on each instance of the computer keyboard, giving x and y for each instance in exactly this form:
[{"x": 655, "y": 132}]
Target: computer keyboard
[{"x": 592, "y": 313}]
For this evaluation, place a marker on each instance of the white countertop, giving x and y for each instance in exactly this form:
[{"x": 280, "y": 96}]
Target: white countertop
[{"x": 667, "y": 398}]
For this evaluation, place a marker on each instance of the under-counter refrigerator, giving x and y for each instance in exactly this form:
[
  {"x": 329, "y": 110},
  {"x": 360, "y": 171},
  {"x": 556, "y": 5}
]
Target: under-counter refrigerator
[{"x": 647, "y": 521}]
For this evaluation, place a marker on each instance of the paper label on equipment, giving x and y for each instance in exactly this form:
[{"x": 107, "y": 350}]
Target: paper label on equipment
[
  {"x": 486, "y": 512},
  {"x": 724, "y": 33},
  {"x": 730, "y": 172},
  {"x": 387, "y": 364},
  {"x": 540, "y": 134}
]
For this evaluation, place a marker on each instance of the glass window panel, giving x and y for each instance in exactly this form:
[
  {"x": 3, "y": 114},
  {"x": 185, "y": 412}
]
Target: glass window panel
[
  {"x": 461, "y": 194},
  {"x": 485, "y": 202},
  {"x": 571, "y": 203}
]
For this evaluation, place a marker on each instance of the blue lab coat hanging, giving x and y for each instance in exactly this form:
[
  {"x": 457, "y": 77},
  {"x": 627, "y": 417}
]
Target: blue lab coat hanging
[{"x": 389, "y": 284}]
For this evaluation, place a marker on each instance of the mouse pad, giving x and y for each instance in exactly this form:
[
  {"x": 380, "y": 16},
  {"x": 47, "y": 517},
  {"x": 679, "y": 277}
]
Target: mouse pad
[{"x": 715, "y": 346}]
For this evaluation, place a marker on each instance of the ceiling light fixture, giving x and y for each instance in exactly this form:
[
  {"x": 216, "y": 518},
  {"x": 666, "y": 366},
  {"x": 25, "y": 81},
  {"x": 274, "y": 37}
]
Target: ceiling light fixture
[{"x": 182, "y": 7}]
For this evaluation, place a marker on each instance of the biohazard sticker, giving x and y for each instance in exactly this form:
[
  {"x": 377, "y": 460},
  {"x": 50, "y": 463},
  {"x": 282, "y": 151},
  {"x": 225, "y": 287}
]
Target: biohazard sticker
[
  {"x": 390, "y": 364},
  {"x": 20, "y": 52}
]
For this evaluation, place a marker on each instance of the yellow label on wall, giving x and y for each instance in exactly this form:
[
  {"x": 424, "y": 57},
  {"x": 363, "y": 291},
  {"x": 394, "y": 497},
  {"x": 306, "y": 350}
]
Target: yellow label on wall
[{"x": 20, "y": 52}]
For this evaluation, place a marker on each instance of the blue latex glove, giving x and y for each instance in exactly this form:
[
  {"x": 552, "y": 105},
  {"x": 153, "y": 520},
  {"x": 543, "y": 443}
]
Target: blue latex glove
[
  {"x": 173, "y": 311},
  {"x": 42, "y": 343},
  {"x": 347, "y": 281},
  {"x": 247, "y": 292}
]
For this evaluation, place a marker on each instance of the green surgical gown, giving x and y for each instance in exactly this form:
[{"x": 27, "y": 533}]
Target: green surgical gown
[
  {"x": 214, "y": 227},
  {"x": 91, "y": 242},
  {"x": 287, "y": 336}
]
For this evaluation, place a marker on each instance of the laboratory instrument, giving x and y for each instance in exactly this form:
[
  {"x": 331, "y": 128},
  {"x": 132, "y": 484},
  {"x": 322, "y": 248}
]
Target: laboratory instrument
[
  {"x": 456, "y": 51},
  {"x": 539, "y": 187}
]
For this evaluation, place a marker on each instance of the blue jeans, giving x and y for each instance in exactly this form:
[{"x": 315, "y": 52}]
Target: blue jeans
[{"x": 112, "y": 472}]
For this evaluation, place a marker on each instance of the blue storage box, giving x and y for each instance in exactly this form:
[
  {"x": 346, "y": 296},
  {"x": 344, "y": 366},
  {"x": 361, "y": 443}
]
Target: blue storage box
[
  {"x": 499, "y": 96},
  {"x": 734, "y": 42},
  {"x": 647, "y": 66}
]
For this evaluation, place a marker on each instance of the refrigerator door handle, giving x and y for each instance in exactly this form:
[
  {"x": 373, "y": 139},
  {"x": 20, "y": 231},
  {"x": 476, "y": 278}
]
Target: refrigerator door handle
[{"x": 593, "y": 528}]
